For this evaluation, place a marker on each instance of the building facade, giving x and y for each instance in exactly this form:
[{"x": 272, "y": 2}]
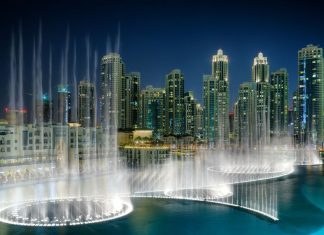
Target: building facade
[
  {"x": 220, "y": 72},
  {"x": 296, "y": 125},
  {"x": 216, "y": 102},
  {"x": 260, "y": 75},
  {"x": 260, "y": 69},
  {"x": 252, "y": 111},
  {"x": 87, "y": 104},
  {"x": 64, "y": 107},
  {"x": 190, "y": 113},
  {"x": 112, "y": 114},
  {"x": 131, "y": 99},
  {"x": 279, "y": 103},
  {"x": 245, "y": 113},
  {"x": 210, "y": 108},
  {"x": 152, "y": 110},
  {"x": 175, "y": 103},
  {"x": 199, "y": 122},
  {"x": 310, "y": 95}
]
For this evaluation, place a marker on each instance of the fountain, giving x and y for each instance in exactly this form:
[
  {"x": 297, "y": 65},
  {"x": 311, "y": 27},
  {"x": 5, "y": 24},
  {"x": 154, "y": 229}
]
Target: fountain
[
  {"x": 74, "y": 175},
  {"x": 62, "y": 179},
  {"x": 64, "y": 211}
]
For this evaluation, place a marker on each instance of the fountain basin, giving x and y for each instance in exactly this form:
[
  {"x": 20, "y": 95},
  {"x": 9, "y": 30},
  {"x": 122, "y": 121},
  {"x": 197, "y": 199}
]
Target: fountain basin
[
  {"x": 200, "y": 194},
  {"x": 64, "y": 211}
]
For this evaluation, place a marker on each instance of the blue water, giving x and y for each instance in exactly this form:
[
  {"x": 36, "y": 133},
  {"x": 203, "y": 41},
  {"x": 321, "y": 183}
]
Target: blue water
[{"x": 301, "y": 211}]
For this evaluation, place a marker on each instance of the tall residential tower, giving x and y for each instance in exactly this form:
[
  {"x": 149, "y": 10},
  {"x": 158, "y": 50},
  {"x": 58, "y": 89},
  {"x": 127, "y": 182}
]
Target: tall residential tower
[
  {"x": 63, "y": 114},
  {"x": 130, "y": 99},
  {"x": 87, "y": 104},
  {"x": 220, "y": 73},
  {"x": 175, "y": 103},
  {"x": 152, "y": 110},
  {"x": 216, "y": 102},
  {"x": 310, "y": 94},
  {"x": 260, "y": 75},
  {"x": 112, "y": 73},
  {"x": 253, "y": 107},
  {"x": 279, "y": 103}
]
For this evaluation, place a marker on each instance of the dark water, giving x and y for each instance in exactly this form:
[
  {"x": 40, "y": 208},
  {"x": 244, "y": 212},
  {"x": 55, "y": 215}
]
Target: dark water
[{"x": 301, "y": 211}]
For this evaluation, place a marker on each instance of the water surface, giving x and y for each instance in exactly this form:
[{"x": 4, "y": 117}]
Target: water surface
[{"x": 301, "y": 211}]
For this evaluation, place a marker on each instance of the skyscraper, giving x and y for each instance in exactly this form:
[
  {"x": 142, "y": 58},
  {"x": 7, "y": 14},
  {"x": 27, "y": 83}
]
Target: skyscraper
[
  {"x": 263, "y": 113},
  {"x": 87, "y": 104},
  {"x": 220, "y": 73},
  {"x": 47, "y": 109},
  {"x": 279, "y": 103},
  {"x": 291, "y": 123},
  {"x": 245, "y": 115},
  {"x": 231, "y": 127},
  {"x": 63, "y": 105},
  {"x": 260, "y": 75},
  {"x": 199, "y": 121},
  {"x": 152, "y": 110},
  {"x": 236, "y": 126},
  {"x": 175, "y": 103},
  {"x": 130, "y": 102},
  {"x": 112, "y": 73},
  {"x": 216, "y": 101},
  {"x": 252, "y": 112},
  {"x": 260, "y": 69},
  {"x": 190, "y": 113},
  {"x": 40, "y": 102},
  {"x": 210, "y": 107},
  {"x": 311, "y": 94},
  {"x": 296, "y": 117}
]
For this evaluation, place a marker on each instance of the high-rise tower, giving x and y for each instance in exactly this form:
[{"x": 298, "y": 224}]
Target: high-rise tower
[
  {"x": 220, "y": 73},
  {"x": 130, "y": 100},
  {"x": 260, "y": 75},
  {"x": 152, "y": 110},
  {"x": 260, "y": 69},
  {"x": 210, "y": 108},
  {"x": 279, "y": 103},
  {"x": 63, "y": 105},
  {"x": 246, "y": 128},
  {"x": 216, "y": 101},
  {"x": 311, "y": 94},
  {"x": 175, "y": 103},
  {"x": 112, "y": 73},
  {"x": 190, "y": 113},
  {"x": 87, "y": 104}
]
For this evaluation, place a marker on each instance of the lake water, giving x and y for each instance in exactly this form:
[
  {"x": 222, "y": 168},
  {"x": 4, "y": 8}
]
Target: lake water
[{"x": 301, "y": 211}]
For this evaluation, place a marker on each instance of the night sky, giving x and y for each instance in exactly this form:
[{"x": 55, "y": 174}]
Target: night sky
[{"x": 158, "y": 36}]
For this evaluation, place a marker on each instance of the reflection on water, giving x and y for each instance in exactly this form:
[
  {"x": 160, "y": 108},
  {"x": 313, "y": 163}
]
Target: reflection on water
[{"x": 301, "y": 211}]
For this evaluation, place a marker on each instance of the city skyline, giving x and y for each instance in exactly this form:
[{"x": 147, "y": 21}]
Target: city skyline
[
  {"x": 137, "y": 116},
  {"x": 95, "y": 72},
  {"x": 260, "y": 114},
  {"x": 240, "y": 39}
]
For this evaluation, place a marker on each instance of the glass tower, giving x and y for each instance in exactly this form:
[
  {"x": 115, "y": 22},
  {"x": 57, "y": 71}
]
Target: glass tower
[
  {"x": 260, "y": 69},
  {"x": 152, "y": 110},
  {"x": 216, "y": 101},
  {"x": 112, "y": 73},
  {"x": 210, "y": 108},
  {"x": 246, "y": 128},
  {"x": 130, "y": 101},
  {"x": 220, "y": 73},
  {"x": 63, "y": 105},
  {"x": 87, "y": 104},
  {"x": 310, "y": 94},
  {"x": 279, "y": 103},
  {"x": 260, "y": 75},
  {"x": 175, "y": 103}
]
